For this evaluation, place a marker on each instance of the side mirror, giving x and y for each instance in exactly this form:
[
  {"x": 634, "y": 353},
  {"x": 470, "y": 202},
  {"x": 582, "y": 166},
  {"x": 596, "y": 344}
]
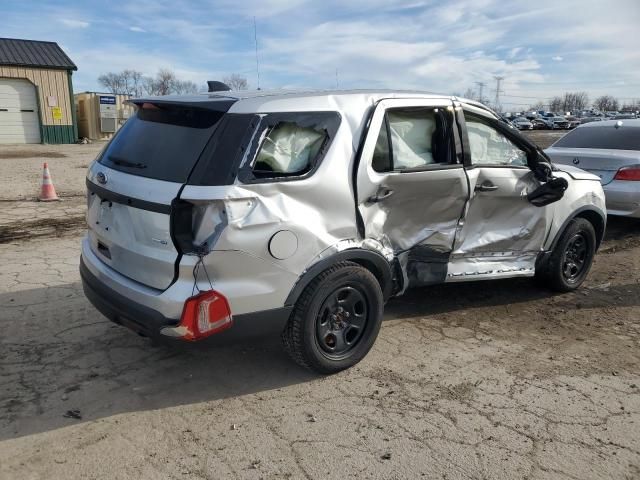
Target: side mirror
[{"x": 549, "y": 192}]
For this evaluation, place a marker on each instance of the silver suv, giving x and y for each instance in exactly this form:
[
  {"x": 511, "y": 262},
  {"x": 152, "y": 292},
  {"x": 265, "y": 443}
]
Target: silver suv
[{"x": 224, "y": 215}]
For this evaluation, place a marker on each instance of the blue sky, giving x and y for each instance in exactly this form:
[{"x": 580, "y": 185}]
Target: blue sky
[{"x": 541, "y": 47}]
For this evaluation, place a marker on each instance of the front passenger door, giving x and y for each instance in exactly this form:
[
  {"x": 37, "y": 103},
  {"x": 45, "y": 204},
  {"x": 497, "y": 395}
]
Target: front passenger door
[{"x": 501, "y": 233}]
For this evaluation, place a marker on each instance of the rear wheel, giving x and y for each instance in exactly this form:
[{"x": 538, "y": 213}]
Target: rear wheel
[
  {"x": 336, "y": 319},
  {"x": 572, "y": 257}
]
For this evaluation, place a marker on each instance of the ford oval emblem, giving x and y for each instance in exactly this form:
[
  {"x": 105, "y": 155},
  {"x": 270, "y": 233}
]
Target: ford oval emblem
[
  {"x": 101, "y": 177},
  {"x": 576, "y": 161}
]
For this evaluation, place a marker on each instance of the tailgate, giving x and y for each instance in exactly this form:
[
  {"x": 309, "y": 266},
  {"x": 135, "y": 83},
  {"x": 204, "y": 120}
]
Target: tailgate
[{"x": 133, "y": 236}]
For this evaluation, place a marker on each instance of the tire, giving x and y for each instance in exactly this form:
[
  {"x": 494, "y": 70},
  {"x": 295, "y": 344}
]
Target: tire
[
  {"x": 571, "y": 258},
  {"x": 321, "y": 337}
]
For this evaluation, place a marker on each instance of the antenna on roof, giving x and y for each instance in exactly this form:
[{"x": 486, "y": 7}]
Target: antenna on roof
[{"x": 255, "y": 38}]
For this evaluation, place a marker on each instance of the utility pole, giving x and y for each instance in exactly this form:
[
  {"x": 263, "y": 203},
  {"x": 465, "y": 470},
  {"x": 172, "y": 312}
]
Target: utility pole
[
  {"x": 481, "y": 85},
  {"x": 255, "y": 38},
  {"x": 337, "y": 83},
  {"x": 498, "y": 81}
]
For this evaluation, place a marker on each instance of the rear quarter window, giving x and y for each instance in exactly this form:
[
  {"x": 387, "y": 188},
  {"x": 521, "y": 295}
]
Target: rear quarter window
[
  {"x": 608, "y": 138},
  {"x": 288, "y": 145}
]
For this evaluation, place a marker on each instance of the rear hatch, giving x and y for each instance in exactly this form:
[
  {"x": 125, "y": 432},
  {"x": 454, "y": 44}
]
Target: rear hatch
[{"x": 136, "y": 178}]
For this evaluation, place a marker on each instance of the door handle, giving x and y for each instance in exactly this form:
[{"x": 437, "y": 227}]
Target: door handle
[
  {"x": 486, "y": 187},
  {"x": 378, "y": 197}
]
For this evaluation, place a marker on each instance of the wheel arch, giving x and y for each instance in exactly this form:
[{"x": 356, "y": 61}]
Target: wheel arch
[
  {"x": 372, "y": 261},
  {"x": 593, "y": 216}
]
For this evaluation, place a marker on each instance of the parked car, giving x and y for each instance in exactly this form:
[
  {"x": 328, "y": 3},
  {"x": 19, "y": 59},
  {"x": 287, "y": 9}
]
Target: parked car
[
  {"x": 625, "y": 116},
  {"x": 522, "y": 123},
  {"x": 555, "y": 122},
  {"x": 611, "y": 150},
  {"x": 303, "y": 213},
  {"x": 573, "y": 122},
  {"x": 539, "y": 124},
  {"x": 590, "y": 119}
]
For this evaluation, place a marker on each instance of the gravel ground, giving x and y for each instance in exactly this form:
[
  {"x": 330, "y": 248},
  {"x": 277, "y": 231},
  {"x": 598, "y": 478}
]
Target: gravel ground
[
  {"x": 21, "y": 168},
  {"x": 492, "y": 380},
  {"x": 497, "y": 380}
]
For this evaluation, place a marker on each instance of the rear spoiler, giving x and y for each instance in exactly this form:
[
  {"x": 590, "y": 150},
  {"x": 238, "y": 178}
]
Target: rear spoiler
[{"x": 217, "y": 104}]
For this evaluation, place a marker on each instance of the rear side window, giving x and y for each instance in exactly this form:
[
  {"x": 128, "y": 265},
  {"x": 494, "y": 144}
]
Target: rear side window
[
  {"x": 413, "y": 139},
  {"x": 161, "y": 141},
  {"x": 288, "y": 145},
  {"x": 288, "y": 149},
  {"x": 605, "y": 137}
]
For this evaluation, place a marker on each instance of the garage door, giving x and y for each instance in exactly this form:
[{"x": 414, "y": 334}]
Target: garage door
[{"x": 19, "y": 120}]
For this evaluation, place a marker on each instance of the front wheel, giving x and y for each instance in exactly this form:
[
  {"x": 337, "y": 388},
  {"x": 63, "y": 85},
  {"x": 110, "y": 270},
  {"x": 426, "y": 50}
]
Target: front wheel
[
  {"x": 336, "y": 319},
  {"x": 571, "y": 258}
]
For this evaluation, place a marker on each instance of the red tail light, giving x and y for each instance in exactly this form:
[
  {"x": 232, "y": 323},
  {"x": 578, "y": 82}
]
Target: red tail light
[
  {"x": 203, "y": 315},
  {"x": 628, "y": 173}
]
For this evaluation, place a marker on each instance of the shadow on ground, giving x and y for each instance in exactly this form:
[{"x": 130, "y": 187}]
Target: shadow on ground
[{"x": 58, "y": 354}]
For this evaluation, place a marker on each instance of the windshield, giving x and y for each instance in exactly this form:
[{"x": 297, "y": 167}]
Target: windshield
[
  {"x": 161, "y": 141},
  {"x": 609, "y": 138}
]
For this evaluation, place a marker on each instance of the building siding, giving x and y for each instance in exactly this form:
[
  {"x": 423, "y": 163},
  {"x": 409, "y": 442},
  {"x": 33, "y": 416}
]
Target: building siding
[{"x": 49, "y": 83}]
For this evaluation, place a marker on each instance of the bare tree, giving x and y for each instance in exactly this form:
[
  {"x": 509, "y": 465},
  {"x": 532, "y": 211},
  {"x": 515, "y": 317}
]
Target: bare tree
[
  {"x": 162, "y": 83},
  {"x": 133, "y": 83},
  {"x": 183, "y": 87},
  {"x": 236, "y": 82},
  {"x": 127, "y": 82},
  {"x": 606, "y": 103},
  {"x": 166, "y": 83},
  {"x": 112, "y": 82},
  {"x": 556, "y": 103},
  {"x": 537, "y": 106}
]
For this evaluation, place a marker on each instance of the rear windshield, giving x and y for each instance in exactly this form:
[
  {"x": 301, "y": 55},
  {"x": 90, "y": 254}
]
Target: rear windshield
[
  {"x": 609, "y": 137},
  {"x": 161, "y": 141}
]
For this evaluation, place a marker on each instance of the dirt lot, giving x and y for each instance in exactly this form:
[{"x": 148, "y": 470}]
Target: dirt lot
[
  {"x": 486, "y": 380},
  {"x": 21, "y": 169}
]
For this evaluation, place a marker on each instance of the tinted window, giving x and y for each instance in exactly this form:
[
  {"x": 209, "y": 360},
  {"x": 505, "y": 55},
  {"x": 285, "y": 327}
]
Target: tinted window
[
  {"x": 161, "y": 142},
  {"x": 607, "y": 137},
  {"x": 491, "y": 147},
  {"x": 412, "y": 139}
]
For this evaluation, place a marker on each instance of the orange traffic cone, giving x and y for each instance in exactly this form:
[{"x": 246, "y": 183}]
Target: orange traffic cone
[{"x": 48, "y": 191}]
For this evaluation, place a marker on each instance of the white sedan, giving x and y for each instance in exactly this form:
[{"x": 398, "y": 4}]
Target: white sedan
[{"x": 611, "y": 150}]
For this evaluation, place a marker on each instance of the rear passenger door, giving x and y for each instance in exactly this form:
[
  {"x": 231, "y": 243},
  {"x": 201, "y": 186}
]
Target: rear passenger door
[
  {"x": 411, "y": 185},
  {"x": 501, "y": 233}
]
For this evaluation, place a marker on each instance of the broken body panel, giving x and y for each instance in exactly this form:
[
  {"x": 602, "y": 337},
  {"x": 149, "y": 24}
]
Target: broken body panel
[{"x": 257, "y": 239}]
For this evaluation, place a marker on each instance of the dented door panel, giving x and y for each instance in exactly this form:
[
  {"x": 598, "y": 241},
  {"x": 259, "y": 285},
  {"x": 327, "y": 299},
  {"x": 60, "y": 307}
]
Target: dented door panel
[
  {"x": 414, "y": 214},
  {"x": 500, "y": 233}
]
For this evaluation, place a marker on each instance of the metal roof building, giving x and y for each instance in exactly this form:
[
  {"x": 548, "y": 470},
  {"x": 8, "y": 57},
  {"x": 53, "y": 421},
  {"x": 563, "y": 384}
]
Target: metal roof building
[{"x": 36, "y": 93}]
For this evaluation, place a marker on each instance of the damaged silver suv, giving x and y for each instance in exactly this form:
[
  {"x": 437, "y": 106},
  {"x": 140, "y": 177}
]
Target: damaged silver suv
[{"x": 223, "y": 215}]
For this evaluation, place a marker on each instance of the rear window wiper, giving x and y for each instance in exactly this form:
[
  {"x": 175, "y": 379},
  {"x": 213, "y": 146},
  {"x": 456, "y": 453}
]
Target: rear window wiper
[{"x": 126, "y": 163}]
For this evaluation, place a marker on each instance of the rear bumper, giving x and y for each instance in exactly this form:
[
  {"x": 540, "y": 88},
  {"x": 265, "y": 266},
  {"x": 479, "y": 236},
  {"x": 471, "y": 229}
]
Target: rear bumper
[
  {"x": 149, "y": 322},
  {"x": 623, "y": 198}
]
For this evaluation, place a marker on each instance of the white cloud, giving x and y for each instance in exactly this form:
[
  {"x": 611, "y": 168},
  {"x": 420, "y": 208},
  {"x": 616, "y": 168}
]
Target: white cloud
[
  {"x": 73, "y": 23},
  {"x": 514, "y": 51},
  {"x": 557, "y": 58},
  {"x": 137, "y": 29}
]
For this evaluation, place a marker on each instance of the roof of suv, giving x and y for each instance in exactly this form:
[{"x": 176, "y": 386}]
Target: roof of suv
[{"x": 285, "y": 100}]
